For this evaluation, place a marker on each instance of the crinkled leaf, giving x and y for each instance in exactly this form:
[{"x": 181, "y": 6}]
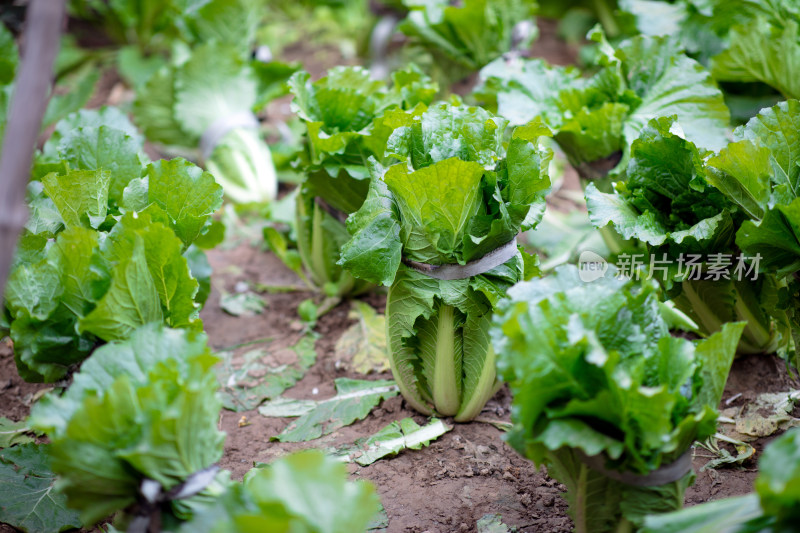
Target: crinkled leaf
[
  {"x": 81, "y": 196},
  {"x": 644, "y": 78},
  {"x": 144, "y": 408},
  {"x": 437, "y": 200},
  {"x": 469, "y": 34},
  {"x": 187, "y": 194},
  {"x": 133, "y": 357},
  {"x": 103, "y": 148}
]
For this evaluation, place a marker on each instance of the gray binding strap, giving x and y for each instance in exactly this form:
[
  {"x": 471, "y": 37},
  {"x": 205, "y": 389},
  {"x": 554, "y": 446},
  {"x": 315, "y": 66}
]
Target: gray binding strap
[
  {"x": 152, "y": 496},
  {"x": 493, "y": 259},
  {"x": 220, "y": 127},
  {"x": 662, "y": 476}
]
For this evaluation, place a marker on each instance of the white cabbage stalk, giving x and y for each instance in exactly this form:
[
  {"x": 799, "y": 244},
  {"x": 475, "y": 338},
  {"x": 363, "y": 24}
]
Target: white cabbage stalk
[{"x": 242, "y": 164}]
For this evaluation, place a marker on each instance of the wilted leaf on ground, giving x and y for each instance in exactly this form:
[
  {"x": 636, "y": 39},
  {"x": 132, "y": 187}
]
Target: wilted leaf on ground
[
  {"x": 242, "y": 304},
  {"x": 244, "y": 387},
  {"x": 353, "y": 401},
  {"x": 28, "y": 500},
  {"x": 363, "y": 345},
  {"x": 12, "y": 433},
  {"x": 768, "y": 414},
  {"x": 380, "y": 522},
  {"x": 394, "y": 438},
  {"x": 723, "y": 457},
  {"x": 492, "y": 523}
]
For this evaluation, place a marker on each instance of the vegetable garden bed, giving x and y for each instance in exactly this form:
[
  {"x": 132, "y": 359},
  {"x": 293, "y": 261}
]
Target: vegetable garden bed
[
  {"x": 446, "y": 487},
  {"x": 406, "y": 300}
]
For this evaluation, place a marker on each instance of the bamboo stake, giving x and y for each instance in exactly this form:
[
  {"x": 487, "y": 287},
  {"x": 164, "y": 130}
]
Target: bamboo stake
[{"x": 31, "y": 93}]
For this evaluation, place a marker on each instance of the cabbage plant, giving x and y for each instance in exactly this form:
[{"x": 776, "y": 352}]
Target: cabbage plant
[
  {"x": 140, "y": 409},
  {"x": 759, "y": 173},
  {"x": 596, "y": 119},
  {"x": 348, "y": 118},
  {"x": 668, "y": 201},
  {"x": 462, "y": 37},
  {"x": 457, "y": 194},
  {"x": 111, "y": 244},
  {"x": 604, "y": 396},
  {"x": 211, "y": 118}
]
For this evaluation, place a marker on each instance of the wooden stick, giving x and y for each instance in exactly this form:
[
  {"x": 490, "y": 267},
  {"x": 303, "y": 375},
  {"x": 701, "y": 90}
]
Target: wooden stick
[{"x": 29, "y": 101}]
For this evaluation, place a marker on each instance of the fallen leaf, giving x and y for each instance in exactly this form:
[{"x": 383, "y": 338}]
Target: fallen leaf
[
  {"x": 392, "y": 439},
  {"x": 246, "y": 386},
  {"x": 768, "y": 414},
  {"x": 12, "y": 433},
  {"x": 363, "y": 345},
  {"x": 242, "y": 304},
  {"x": 353, "y": 401},
  {"x": 492, "y": 523}
]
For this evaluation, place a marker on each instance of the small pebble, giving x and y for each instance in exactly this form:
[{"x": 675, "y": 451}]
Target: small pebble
[{"x": 315, "y": 391}]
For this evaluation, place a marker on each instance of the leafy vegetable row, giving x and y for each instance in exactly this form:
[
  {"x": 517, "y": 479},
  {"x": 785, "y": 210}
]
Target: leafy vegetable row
[{"x": 112, "y": 243}]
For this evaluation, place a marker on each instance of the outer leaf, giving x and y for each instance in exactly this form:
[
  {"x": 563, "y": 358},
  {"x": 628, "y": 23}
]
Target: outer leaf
[
  {"x": 723, "y": 516},
  {"x": 778, "y": 482},
  {"x": 469, "y": 34},
  {"x": 762, "y": 51},
  {"x": 776, "y": 238},
  {"x": 187, "y": 194},
  {"x": 592, "y": 119},
  {"x": 201, "y": 99},
  {"x": 337, "y": 506},
  {"x": 306, "y": 491},
  {"x": 593, "y": 368},
  {"x": 30, "y": 501},
  {"x": 157, "y": 418},
  {"x": 743, "y": 175},
  {"x": 374, "y": 251},
  {"x": 133, "y": 357}
]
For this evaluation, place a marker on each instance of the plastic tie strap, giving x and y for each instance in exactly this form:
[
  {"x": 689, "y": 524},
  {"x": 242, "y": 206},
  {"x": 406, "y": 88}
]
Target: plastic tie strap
[
  {"x": 491, "y": 260},
  {"x": 220, "y": 127},
  {"x": 661, "y": 476},
  {"x": 153, "y": 495}
]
